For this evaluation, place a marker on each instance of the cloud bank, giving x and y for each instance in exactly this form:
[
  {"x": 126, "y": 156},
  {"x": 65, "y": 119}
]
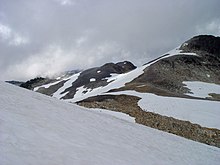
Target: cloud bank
[{"x": 45, "y": 37}]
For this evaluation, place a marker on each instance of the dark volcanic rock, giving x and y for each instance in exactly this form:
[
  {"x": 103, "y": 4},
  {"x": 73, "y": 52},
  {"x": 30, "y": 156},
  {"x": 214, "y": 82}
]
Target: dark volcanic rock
[
  {"x": 31, "y": 84},
  {"x": 96, "y": 77},
  {"x": 89, "y": 79},
  {"x": 165, "y": 76},
  {"x": 52, "y": 89},
  {"x": 17, "y": 83},
  {"x": 207, "y": 43}
]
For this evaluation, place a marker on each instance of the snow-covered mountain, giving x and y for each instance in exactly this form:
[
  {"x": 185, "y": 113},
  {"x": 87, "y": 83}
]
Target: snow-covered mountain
[
  {"x": 195, "y": 61},
  {"x": 178, "y": 92},
  {"x": 36, "y": 129}
]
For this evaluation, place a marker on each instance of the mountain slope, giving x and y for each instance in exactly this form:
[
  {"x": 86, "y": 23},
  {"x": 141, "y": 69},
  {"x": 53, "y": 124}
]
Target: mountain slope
[
  {"x": 36, "y": 129},
  {"x": 197, "y": 59},
  {"x": 178, "y": 92}
]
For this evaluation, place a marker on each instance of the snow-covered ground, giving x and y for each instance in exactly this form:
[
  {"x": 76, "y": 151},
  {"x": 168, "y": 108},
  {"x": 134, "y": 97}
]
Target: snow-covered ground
[
  {"x": 201, "y": 89},
  {"x": 118, "y": 115},
  {"x": 203, "y": 112},
  {"x": 36, "y": 129}
]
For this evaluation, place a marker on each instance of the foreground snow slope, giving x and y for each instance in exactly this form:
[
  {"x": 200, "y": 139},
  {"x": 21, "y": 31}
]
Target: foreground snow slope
[{"x": 35, "y": 129}]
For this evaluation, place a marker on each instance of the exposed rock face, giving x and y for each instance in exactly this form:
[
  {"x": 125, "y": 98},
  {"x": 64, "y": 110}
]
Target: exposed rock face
[
  {"x": 90, "y": 78},
  {"x": 17, "y": 83},
  {"x": 96, "y": 77},
  {"x": 51, "y": 89},
  {"x": 31, "y": 84},
  {"x": 206, "y": 43},
  {"x": 165, "y": 77},
  {"x": 198, "y": 59}
]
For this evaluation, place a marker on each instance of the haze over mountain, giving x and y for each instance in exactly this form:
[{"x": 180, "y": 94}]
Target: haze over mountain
[
  {"x": 178, "y": 92},
  {"x": 109, "y": 82},
  {"x": 197, "y": 59},
  {"x": 45, "y": 37}
]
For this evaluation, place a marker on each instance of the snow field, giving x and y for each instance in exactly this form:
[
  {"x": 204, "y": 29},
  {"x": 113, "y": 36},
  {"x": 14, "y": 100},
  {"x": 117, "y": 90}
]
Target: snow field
[
  {"x": 203, "y": 112},
  {"x": 36, "y": 129}
]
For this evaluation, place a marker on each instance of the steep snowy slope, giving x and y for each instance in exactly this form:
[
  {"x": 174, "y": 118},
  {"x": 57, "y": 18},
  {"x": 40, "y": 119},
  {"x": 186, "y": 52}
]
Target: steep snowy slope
[{"x": 36, "y": 129}]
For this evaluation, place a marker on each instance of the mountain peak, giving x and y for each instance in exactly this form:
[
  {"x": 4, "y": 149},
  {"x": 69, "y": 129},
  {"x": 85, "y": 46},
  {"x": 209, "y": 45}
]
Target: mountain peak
[{"x": 207, "y": 43}]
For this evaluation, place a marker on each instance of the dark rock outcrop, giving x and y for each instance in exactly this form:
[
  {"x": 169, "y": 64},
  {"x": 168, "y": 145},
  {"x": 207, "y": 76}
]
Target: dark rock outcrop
[
  {"x": 165, "y": 76},
  {"x": 206, "y": 43},
  {"x": 17, "y": 83},
  {"x": 31, "y": 84},
  {"x": 96, "y": 77}
]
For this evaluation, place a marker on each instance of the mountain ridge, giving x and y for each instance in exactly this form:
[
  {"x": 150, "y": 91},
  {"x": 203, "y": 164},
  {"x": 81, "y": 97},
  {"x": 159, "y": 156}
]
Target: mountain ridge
[
  {"x": 189, "y": 75},
  {"x": 191, "y": 61}
]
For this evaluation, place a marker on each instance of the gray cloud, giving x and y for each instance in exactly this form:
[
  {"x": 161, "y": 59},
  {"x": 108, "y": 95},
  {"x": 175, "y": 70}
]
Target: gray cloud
[{"x": 44, "y": 37}]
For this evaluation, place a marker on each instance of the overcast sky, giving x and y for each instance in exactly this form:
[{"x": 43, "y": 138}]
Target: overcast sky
[{"x": 44, "y": 37}]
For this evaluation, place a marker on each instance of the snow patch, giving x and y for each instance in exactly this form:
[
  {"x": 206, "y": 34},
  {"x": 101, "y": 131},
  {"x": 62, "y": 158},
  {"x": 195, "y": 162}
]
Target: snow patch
[
  {"x": 58, "y": 78},
  {"x": 201, "y": 89},
  {"x": 185, "y": 44},
  {"x": 92, "y": 80},
  {"x": 66, "y": 85},
  {"x": 116, "y": 80},
  {"x": 178, "y": 51},
  {"x": 174, "y": 52},
  {"x": 47, "y": 85},
  {"x": 203, "y": 112}
]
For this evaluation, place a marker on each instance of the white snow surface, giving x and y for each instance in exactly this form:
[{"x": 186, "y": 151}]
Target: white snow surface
[
  {"x": 36, "y": 129},
  {"x": 118, "y": 115},
  {"x": 47, "y": 85},
  {"x": 201, "y": 89},
  {"x": 92, "y": 79},
  {"x": 203, "y": 112},
  {"x": 178, "y": 51},
  {"x": 66, "y": 85}
]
